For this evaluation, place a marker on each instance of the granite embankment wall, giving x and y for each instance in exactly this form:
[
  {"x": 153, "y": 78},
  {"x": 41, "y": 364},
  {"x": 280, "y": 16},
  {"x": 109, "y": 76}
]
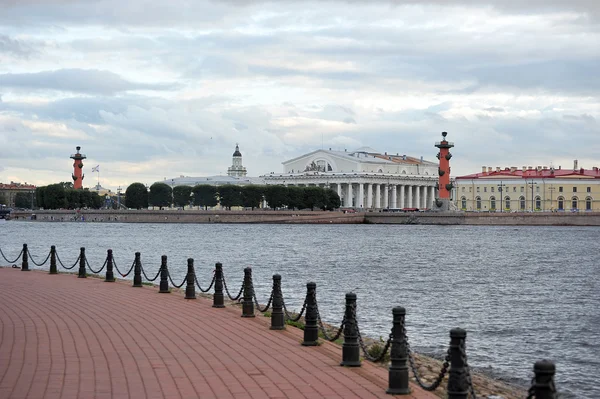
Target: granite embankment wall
[
  {"x": 190, "y": 216},
  {"x": 262, "y": 216}
]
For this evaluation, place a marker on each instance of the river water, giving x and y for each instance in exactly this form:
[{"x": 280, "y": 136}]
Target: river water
[{"x": 522, "y": 293}]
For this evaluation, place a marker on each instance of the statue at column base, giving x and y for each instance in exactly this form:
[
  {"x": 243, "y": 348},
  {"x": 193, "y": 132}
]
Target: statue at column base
[{"x": 443, "y": 205}]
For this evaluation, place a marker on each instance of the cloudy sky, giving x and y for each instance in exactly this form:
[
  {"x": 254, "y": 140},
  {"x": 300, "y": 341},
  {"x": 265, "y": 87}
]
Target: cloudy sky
[{"x": 152, "y": 91}]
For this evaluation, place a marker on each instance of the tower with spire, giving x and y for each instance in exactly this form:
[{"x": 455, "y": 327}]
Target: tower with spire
[{"x": 236, "y": 169}]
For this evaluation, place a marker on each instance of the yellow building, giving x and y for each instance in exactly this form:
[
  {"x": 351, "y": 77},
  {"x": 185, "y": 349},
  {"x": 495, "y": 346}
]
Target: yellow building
[{"x": 538, "y": 189}]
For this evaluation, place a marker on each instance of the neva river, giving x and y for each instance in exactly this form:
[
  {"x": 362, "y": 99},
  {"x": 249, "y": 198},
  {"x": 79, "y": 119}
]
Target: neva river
[{"x": 522, "y": 293}]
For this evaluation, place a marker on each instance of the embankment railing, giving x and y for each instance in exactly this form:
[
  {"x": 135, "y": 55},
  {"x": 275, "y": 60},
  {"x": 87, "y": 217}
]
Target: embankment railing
[{"x": 396, "y": 348}]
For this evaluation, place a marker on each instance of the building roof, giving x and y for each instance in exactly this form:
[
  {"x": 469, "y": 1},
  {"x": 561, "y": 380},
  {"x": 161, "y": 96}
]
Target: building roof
[
  {"x": 16, "y": 186},
  {"x": 237, "y": 152},
  {"x": 369, "y": 155},
  {"x": 539, "y": 173}
]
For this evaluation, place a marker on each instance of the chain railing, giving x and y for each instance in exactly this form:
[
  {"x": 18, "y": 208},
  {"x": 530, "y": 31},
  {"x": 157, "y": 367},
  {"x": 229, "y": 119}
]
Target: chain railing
[{"x": 455, "y": 365}]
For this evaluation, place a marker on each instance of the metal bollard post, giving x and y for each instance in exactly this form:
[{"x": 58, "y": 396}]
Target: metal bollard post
[
  {"x": 53, "y": 268},
  {"x": 110, "y": 275},
  {"x": 137, "y": 270},
  {"x": 277, "y": 320},
  {"x": 25, "y": 262},
  {"x": 543, "y": 385},
  {"x": 458, "y": 387},
  {"x": 247, "y": 303},
  {"x": 190, "y": 288},
  {"x": 164, "y": 276},
  {"x": 350, "y": 347},
  {"x": 311, "y": 331},
  {"x": 218, "y": 298},
  {"x": 398, "y": 371},
  {"x": 81, "y": 273}
]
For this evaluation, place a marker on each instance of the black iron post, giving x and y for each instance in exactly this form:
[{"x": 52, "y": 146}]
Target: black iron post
[
  {"x": 218, "y": 298},
  {"x": 277, "y": 320},
  {"x": 543, "y": 386},
  {"x": 164, "y": 276},
  {"x": 311, "y": 330},
  {"x": 458, "y": 387},
  {"x": 110, "y": 275},
  {"x": 398, "y": 371},
  {"x": 350, "y": 347},
  {"x": 137, "y": 270},
  {"x": 25, "y": 261},
  {"x": 190, "y": 288},
  {"x": 53, "y": 268},
  {"x": 81, "y": 273},
  {"x": 247, "y": 303}
]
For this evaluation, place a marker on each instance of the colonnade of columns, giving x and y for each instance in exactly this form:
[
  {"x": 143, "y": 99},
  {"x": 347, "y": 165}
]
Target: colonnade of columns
[{"x": 383, "y": 195}]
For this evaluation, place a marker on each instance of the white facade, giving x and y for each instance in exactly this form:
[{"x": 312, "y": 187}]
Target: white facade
[
  {"x": 236, "y": 169},
  {"x": 365, "y": 178}
]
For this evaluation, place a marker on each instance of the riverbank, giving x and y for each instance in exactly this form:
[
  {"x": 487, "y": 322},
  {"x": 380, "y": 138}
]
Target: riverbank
[{"x": 313, "y": 217}]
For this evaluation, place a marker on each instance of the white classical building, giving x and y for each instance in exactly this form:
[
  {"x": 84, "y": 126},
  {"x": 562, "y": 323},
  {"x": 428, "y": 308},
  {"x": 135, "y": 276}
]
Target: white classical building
[{"x": 364, "y": 178}]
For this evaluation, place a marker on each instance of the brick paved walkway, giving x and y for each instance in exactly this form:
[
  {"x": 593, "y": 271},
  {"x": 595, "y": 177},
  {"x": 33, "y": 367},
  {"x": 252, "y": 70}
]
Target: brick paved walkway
[{"x": 64, "y": 337}]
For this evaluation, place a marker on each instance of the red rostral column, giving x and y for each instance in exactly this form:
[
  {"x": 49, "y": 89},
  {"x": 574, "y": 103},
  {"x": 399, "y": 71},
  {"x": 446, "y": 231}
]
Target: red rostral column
[
  {"x": 78, "y": 169},
  {"x": 444, "y": 185}
]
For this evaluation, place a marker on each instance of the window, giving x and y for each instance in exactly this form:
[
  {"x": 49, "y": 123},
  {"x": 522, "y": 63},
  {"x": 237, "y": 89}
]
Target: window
[
  {"x": 507, "y": 203},
  {"x": 537, "y": 189},
  {"x": 522, "y": 189},
  {"x": 492, "y": 203},
  {"x": 522, "y": 203},
  {"x": 463, "y": 189},
  {"x": 493, "y": 189},
  {"x": 477, "y": 189},
  {"x": 470, "y": 189},
  {"x": 515, "y": 189},
  {"x": 560, "y": 189},
  {"x": 574, "y": 189},
  {"x": 589, "y": 189},
  {"x": 588, "y": 204},
  {"x": 485, "y": 189},
  {"x": 574, "y": 203},
  {"x": 478, "y": 202},
  {"x": 538, "y": 203},
  {"x": 463, "y": 203},
  {"x": 561, "y": 203}
]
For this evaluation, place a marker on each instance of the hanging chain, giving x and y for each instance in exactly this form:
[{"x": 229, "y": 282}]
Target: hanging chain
[
  {"x": 322, "y": 327},
  {"x": 463, "y": 355},
  {"x": 413, "y": 367},
  {"x": 16, "y": 259},
  {"x": 70, "y": 267},
  {"x": 262, "y": 310},
  {"x": 175, "y": 285},
  {"x": 96, "y": 271},
  {"x": 118, "y": 271},
  {"x": 31, "y": 258},
  {"x": 531, "y": 391},
  {"x": 209, "y": 287},
  {"x": 238, "y": 296},
  {"x": 144, "y": 273},
  {"x": 287, "y": 314}
]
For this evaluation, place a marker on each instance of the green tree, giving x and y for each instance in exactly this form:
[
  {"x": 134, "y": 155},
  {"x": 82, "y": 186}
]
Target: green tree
[
  {"x": 252, "y": 196},
  {"x": 23, "y": 200},
  {"x": 73, "y": 198},
  {"x": 136, "y": 196},
  {"x": 314, "y": 197},
  {"x": 54, "y": 197},
  {"x": 161, "y": 195},
  {"x": 205, "y": 195},
  {"x": 85, "y": 198},
  {"x": 97, "y": 201},
  {"x": 66, "y": 184},
  {"x": 182, "y": 195},
  {"x": 3, "y": 199},
  {"x": 332, "y": 200},
  {"x": 230, "y": 195},
  {"x": 295, "y": 197},
  {"x": 276, "y": 196},
  {"x": 39, "y": 196}
]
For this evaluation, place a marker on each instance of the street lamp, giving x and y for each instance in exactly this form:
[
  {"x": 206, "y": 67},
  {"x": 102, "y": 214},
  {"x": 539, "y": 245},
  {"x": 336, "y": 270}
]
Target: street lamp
[
  {"x": 532, "y": 184},
  {"x": 500, "y": 190}
]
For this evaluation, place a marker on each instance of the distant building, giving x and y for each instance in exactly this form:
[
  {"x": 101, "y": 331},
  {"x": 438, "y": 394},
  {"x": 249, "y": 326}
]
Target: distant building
[
  {"x": 364, "y": 178},
  {"x": 529, "y": 189},
  {"x": 236, "y": 169},
  {"x": 10, "y": 190}
]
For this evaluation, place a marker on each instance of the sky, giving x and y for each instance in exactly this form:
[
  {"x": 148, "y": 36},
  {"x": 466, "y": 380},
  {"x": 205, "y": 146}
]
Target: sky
[{"x": 153, "y": 91}]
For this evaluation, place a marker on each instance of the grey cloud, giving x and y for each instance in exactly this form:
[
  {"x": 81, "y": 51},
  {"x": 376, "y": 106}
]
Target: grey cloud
[
  {"x": 18, "y": 48},
  {"x": 494, "y": 109},
  {"x": 91, "y": 81},
  {"x": 582, "y": 117}
]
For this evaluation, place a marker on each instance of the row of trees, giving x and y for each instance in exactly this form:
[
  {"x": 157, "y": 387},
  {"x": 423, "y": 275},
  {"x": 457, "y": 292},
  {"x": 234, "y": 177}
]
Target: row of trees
[
  {"x": 204, "y": 195},
  {"x": 63, "y": 195}
]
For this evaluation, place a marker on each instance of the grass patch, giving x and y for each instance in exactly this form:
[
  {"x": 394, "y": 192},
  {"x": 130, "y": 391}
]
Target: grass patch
[
  {"x": 296, "y": 324},
  {"x": 267, "y": 314},
  {"x": 147, "y": 283},
  {"x": 376, "y": 349}
]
